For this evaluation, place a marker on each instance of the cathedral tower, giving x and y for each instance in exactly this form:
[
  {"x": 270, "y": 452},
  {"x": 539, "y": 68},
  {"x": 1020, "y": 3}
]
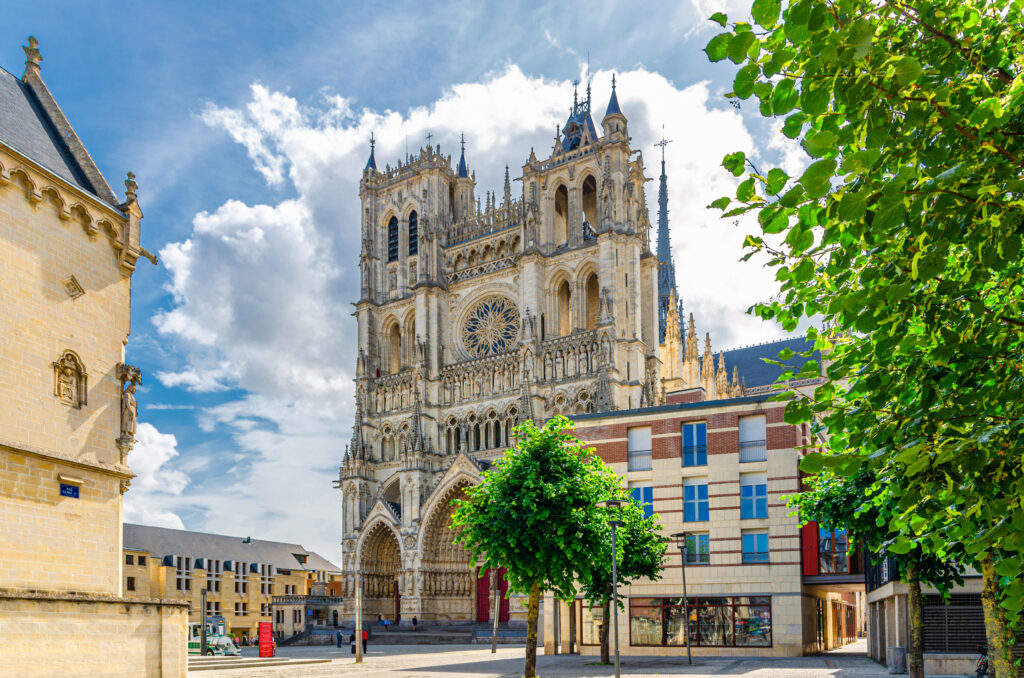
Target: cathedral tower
[{"x": 473, "y": 320}]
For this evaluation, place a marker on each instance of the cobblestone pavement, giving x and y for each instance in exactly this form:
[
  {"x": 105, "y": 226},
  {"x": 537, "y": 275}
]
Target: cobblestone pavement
[{"x": 455, "y": 661}]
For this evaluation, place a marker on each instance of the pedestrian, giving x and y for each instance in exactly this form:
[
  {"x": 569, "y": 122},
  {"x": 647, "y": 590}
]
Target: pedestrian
[
  {"x": 340, "y": 637},
  {"x": 414, "y": 622},
  {"x": 398, "y": 620},
  {"x": 380, "y": 620},
  {"x": 352, "y": 642},
  {"x": 365, "y": 636}
]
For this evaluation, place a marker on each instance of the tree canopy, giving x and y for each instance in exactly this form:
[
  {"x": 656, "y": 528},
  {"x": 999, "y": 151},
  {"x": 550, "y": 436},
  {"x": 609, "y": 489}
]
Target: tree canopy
[
  {"x": 902, "y": 241},
  {"x": 535, "y": 513}
]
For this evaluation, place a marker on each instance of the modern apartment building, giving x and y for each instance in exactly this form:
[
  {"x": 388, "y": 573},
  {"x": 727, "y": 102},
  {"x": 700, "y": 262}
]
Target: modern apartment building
[
  {"x": 719, "y": 470},
  {"x": 246, "y": 580}
]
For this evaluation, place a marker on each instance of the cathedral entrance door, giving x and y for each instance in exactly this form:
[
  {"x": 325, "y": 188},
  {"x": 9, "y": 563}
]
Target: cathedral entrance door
[
  {"x": 484, "y": 595},
  {"x": 380, "y": 565}
]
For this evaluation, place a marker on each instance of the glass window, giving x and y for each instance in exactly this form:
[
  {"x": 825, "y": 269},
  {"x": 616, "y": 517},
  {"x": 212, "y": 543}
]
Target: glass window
[
  {"x": 753, "y": 438},
  {"x": 590, "y": 624},
  {"x": 644, "y": 495},
  {"x": 755, "y": 547},
  {"x": 142, "y": 560},
  {"x": 695, "y": 500},
  {"x": 645, "y": 625},
  {"x": 695, "y": 444},
  {"x": 714, "y": 619},
  {"x": 711, "y": 622},
  {"x": 131, "y": 584},
  {"x": 753, "y": 495},
  {"x": 393, "y": 239},
  {"x": 698, "y": 549},
  {"x": 413, "y": 234},
  {"x": 639, "y": 446},
  {"x": 833, "y": 551},
  {"x": 129, "y": 559}
]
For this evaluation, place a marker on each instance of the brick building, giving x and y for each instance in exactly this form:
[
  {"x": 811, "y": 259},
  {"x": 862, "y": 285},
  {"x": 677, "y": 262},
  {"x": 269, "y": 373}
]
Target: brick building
[
  {"x": 719, "y": 470},
  {"x": 246, "y": 580}
]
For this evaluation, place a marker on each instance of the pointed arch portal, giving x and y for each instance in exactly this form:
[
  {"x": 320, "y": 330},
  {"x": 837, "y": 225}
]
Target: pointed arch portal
[{"x": 380, "y": 565}]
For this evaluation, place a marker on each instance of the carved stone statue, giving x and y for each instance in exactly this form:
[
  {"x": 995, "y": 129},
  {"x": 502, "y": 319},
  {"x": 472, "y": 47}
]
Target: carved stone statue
[{"x": 129, "y": 411}]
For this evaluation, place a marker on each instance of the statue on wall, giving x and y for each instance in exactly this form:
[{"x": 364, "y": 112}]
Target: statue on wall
[
  {"x": 70, "y": 380},
  {"x": 129, "y": 411}
]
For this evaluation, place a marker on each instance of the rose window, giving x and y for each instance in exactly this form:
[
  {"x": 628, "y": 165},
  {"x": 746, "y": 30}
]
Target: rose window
[{"x": 491, "y": 327}]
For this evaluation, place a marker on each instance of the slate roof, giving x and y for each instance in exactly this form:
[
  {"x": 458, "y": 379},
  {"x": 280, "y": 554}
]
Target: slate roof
[
  {"x": 162, "y": 542},
  {"x": 756, "y": 372},
  {"x": 25, "y": 127}
]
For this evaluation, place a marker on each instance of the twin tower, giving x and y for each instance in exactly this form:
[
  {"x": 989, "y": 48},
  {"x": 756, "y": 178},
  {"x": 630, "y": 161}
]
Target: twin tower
[{"x": 477, "y": 314}]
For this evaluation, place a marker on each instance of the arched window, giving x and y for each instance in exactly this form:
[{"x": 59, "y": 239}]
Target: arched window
[
  {"x": 395, "y": 348},
  {"x": 561, "y": 234},
  {"x": 414, "y": 245},
  {"x": 593, "y": 292},
  {"x": 590, "y": 203},
  {"x": 393, "y": 239},
  {"x": 564, "y": 301}
]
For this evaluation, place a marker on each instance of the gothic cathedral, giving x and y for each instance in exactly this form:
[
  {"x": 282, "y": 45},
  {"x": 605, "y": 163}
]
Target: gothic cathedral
[{"x": 477, "y": 315}]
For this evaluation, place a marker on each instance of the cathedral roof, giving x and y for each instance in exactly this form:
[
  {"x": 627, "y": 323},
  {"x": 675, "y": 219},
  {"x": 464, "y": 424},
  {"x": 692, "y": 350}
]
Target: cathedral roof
[
  {"x": 26, "y": 128},
  {"x": 463, "y": 170},
  {"x": 33, "y": 124},
  {"x": 162, "y": 542},
  {"x": 751, "y": 360}
]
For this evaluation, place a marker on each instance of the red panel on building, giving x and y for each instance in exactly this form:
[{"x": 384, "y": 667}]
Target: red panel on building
[{"x": 809, "y": 548}]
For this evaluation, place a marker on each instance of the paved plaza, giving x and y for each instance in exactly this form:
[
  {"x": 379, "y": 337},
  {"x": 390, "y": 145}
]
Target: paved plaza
[{"x": 455, "y": 661}]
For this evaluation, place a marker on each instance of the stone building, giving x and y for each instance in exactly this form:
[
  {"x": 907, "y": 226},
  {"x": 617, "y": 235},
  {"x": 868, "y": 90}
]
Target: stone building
[
  {"x": 246, "y": 580},
  {"x": 476, "y": 313},
  {"x": 68, "y": 248}
]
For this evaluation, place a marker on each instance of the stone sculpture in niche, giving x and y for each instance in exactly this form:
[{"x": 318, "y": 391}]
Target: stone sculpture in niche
[
  {"x": 130, "y": 377},
  {"x": 70, "y": 380}
]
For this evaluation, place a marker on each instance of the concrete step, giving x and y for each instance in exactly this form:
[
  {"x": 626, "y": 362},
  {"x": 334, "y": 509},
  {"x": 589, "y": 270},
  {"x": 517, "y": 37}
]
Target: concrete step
[{"x": 421, "y": 638}]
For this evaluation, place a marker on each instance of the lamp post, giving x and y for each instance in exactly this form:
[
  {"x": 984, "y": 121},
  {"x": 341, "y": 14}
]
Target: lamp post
[
  {"x": 680, "y": 538},
  {"x": 615, "y": 523}
]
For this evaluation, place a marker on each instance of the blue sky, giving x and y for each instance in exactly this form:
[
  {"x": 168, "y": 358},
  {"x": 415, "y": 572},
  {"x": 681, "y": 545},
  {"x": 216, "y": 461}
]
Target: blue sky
[{"x": 246, "y": 124}]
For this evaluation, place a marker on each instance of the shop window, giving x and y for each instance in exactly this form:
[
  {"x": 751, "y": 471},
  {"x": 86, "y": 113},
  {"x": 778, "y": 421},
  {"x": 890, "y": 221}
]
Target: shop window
[{"x": 711, "y": 622}]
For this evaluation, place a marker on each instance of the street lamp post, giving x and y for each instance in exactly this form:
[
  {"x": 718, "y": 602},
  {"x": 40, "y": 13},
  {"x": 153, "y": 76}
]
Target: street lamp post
[
  {"x": 615, "y": 504},
  {"x": 680, "y": 538}
]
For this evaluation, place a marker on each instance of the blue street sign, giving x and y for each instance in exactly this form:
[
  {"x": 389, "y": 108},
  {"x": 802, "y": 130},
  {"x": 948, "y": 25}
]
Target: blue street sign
[{"x": 69, "y": 490}]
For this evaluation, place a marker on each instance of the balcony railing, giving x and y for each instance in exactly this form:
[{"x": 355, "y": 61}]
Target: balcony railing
[
  {"x": 881, "y": 573},
  {"x": 695, "y": 455},
  {"x": 639, "y": 460},
  {"x": 307, "y": 600},
  {"x": 753, "y": 450},
  {"x": 755, "y": 556}
]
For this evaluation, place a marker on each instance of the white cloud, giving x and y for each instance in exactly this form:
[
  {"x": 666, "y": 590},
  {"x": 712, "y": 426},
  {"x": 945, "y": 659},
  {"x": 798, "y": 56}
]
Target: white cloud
[
  {"x": 262, "y": 292},
  {"x": 155, "y": 484}
]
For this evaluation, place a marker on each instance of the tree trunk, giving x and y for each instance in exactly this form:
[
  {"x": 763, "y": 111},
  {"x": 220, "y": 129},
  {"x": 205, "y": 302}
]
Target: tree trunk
[
  {"x": 531, "y": 631},
  {"x": 915, "y": 651},
  {"x": 995, "y": 621},
  {"x": 495, "y": 588},
  {"x": 605, "y": 628}
]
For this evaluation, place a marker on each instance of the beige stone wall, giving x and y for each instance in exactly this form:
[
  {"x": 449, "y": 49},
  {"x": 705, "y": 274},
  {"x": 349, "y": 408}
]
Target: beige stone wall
[
  {"x": 52, "y": 542},
  {"x": 50, "y": 231},
  {"x": 88, "y": 636}
]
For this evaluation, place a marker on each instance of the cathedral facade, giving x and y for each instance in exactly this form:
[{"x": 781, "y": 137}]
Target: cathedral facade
[{"x": 476, "y": 313}]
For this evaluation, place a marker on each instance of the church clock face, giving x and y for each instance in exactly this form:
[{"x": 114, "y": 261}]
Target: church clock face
[{"x": 491, "y": 327}]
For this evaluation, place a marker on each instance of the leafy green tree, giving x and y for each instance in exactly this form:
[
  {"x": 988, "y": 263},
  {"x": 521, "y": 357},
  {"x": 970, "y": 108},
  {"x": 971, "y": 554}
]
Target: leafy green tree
[
  {"x": 641, "y": 555},
  {"x": 903, "y": 239},
  {"x": 866, "y": 509},
  {"x": 535, "y": 513}
]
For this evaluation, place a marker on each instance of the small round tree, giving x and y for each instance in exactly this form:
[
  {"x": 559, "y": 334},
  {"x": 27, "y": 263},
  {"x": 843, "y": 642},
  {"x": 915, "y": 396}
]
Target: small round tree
[{"x": 535, "y": 513}]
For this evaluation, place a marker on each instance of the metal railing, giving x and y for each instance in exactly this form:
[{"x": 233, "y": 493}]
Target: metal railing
[
  {"x": 755, "y": 556},
  {"x": 753, "y": 450},
  {"x": 695, "y": 452},
  {"x": 639, "y": 460}
]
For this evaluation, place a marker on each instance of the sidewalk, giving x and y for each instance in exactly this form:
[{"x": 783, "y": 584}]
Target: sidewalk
[{"x": 396, "y": 661}]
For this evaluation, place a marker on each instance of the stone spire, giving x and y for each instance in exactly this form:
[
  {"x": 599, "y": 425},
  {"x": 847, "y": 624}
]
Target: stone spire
[
  {"x": 707, "y": 369},
  {"x": 666, "y": 267},
  {"x": 371, "y": 163},
  {"x": 508, "y": 188},
  {"x": 671, "y": 349},
  {"x": 691, "y": 360},
  {"x": 722, "y": 378},
  {"x": 463, "y": 171},
  {"x": 613, "y": 102}
]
